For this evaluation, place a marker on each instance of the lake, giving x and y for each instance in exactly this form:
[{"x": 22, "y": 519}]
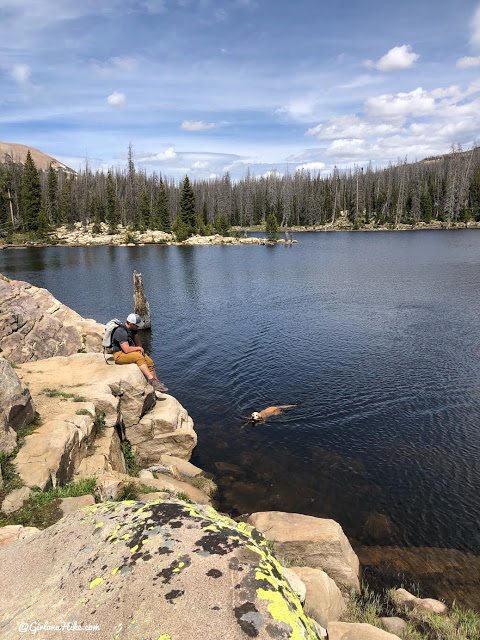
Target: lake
[{"x": 374, "y": 337}]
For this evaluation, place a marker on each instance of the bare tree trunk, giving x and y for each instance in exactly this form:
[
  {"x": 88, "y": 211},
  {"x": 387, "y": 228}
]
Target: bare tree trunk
[{"x": 142, "y": 308}]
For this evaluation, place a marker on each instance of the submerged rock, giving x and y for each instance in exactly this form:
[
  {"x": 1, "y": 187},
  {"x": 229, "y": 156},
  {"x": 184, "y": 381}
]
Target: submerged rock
[{"x": 134, "y": 569}]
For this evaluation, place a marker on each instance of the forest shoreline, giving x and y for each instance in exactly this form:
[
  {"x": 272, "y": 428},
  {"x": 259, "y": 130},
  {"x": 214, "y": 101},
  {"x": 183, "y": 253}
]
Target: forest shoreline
[{"x": 78, "y": 237}]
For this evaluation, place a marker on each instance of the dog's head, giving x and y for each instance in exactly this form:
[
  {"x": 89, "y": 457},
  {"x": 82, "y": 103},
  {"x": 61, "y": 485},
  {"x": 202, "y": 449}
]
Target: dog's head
[{"x": 255, "y": 417}]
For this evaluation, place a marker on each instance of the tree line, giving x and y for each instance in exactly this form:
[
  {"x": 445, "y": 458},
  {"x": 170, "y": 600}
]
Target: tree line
[{"x": 444, "y": 188}]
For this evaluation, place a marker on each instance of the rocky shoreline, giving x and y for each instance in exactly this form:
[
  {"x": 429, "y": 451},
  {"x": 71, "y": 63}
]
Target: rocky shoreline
[
  {"x": 80, "y": 236},
  {"x": 106, "y": 558}
]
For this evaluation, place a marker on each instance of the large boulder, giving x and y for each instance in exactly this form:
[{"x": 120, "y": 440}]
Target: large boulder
[
  {"x": 166, "y": 429},
  {"x": 323, "y": 601},
  {"x": 357, "y": 631},
  {"x": 34, "y": 325},
  {"x": 320, "y": 543},
  {"x": 54, "y": 451},
  {"x": 151, "y": 570},
  {"x": 16, "y": 406}
]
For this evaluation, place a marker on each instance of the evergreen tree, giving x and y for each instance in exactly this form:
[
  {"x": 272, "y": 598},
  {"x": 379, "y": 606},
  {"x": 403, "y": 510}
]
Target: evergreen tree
[
  {"x": 43, "y": 226},
  {"x": 112, "y": 215},
  {"x": 162, "y": 210},
  {"x": 52, "y": 195},
  {"x": 205, "y": 213},
  {"x": 5, "y": 219},
  {"x": 180, "y": 229},
  {"x": 96, "y": 214},
  {"x": 222, "y": 226},
  {"x": 474, "y": 194},
  {"x": 271, "y": 227},
  {"x": 31, "y": 195},
  {"x": 143, "y": 219},
  {"x": 187, "y": 206}
]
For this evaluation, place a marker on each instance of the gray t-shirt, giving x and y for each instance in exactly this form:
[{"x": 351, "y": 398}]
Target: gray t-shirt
[{"x": 122, "y": 334}]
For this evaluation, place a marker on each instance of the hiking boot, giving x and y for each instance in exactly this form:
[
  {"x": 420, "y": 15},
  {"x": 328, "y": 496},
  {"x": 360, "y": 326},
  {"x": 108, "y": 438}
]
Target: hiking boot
[{"x": 158, "y": 386}]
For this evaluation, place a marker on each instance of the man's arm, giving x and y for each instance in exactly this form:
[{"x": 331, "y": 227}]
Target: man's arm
[
  {"x": 138, "y": 343},
  {"x": 126, "y": 348}
]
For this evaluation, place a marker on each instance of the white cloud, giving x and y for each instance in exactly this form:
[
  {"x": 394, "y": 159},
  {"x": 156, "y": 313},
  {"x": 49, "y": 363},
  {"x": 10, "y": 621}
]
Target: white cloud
[
  {"x": 21, "y": 74},
  {"x": 162, "y": 156},
  {"x": 468, "y": 62},
  {"x": 475, "y": 39},
  {"x": 271, "y": 174},
  {"x": 397, "y": 58},
  {"x": 400, "y": 105},
  {"x": 311, "y": 166},
  {"x": 190, "y": 125},
  {"x": 349, "y": 126},
  {"x": 117, "y": 99},
  {"x": 200, "y": 165}
]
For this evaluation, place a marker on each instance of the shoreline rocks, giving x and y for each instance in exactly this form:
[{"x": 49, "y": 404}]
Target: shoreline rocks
[
  {"x": 207, "y": 576},
  {"x": 16, "y": 406},
  {"x": 34, "y": 325},
  {"x": 319, "y": 542}
]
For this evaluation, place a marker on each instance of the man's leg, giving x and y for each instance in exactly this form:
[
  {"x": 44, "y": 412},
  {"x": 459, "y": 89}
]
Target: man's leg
[{"x": 137, "y": 358}]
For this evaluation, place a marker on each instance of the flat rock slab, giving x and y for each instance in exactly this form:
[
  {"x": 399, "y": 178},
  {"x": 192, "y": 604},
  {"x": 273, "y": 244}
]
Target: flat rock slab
[
  {"x": 149, "y": 571},
  {"x": 320, "y": 543}
]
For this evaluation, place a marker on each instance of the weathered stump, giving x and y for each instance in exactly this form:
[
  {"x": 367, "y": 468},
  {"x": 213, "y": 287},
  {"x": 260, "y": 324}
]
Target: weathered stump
[{"x": 142, "y": 308}]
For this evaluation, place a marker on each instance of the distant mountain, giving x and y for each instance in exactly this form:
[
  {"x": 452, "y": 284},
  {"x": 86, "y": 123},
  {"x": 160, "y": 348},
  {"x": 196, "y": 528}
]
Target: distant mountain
[{"x": 9, "y": 151}]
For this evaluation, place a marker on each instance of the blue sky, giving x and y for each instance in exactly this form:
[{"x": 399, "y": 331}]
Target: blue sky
[{"x": 203, "y": 87}]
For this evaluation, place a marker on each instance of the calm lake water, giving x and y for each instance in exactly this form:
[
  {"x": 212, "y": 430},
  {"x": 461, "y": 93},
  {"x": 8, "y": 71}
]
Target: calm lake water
[{"x": 373, "y": 336}]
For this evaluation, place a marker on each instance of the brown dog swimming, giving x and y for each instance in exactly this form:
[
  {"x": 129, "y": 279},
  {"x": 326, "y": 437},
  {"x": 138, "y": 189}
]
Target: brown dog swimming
[{"x": 261, "y": 416}]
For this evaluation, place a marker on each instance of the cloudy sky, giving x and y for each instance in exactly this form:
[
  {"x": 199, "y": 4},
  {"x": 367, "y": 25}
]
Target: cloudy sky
[{"x": 203, "y": 86}]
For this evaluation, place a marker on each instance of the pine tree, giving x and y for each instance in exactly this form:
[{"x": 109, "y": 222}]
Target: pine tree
[
  {"x": 52, "y": 195},
  {"x": 162, "y": 213},
  {"x": 31, "y": 195},
  {"x": 112, "y": 212},
  {"x": 187, "y": 205},
  {"x": 222, "y": 226},
  {"x": 205, "y": 213},
  {"x": 143, "y": 219},
  {"x": 180, "y": 229},
  {"x": 271, "y": 227},
  {"x": 474, "y": 195}
]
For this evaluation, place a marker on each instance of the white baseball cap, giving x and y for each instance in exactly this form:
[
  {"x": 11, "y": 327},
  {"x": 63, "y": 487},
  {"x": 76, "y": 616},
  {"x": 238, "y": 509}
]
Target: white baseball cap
[{"x": 133, "y": 318}]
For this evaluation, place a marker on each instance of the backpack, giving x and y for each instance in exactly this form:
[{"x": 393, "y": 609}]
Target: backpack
[{"x": 107, "y": 341}]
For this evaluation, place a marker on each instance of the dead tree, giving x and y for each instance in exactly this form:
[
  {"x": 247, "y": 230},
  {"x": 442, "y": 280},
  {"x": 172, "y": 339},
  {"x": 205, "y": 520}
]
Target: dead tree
[{"x": 142, "y": 308}]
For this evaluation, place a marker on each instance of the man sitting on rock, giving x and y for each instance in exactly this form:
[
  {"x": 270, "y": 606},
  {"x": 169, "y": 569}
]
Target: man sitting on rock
[{"x": 127, "y": 348}]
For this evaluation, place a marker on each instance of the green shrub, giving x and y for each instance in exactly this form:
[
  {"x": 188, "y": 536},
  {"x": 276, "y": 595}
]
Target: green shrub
[{"x": 130, "y": 458}]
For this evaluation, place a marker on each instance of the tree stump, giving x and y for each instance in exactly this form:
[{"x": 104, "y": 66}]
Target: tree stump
[{"x": 142, "y": 308}]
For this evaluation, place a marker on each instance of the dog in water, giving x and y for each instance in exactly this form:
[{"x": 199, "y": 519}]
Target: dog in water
[{"x": 261, "y": 416}]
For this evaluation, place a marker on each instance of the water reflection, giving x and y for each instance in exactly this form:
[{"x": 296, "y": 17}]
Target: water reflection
[{"x": 368, "y": 334}]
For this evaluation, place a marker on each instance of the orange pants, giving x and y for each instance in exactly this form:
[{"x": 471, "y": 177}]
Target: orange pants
[{"x": 133, "y": 357}]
